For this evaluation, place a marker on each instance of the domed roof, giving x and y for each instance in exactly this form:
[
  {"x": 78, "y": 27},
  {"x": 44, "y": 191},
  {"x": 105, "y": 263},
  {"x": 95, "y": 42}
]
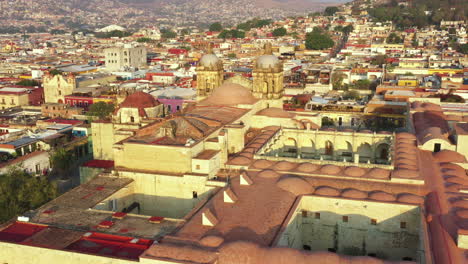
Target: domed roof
[
  {"x": 354, "y": 171},
  {"x": 268, "y": 174},
  {"x": 410, "y": 198},
  {"x": 230, "y": 94},
  {"x": 460, "y": 203},
  {"x": 262, "y": 164},
  {"x": 462, "y": 213},
  {"x": 267, "y": 61},
  {"x": 211, "y": 241},
  {"x": 307, "y": 167},
  {"x": 353, "y": 193},
  {"x": 405, "y": 135},
  {"x": 295, "y": 185},
  {"x": 139, "y": 100},
  {"x": 449, "y": 156},
  {"x": 208, "y": 60},
  {"x": 330, "y": 169},
  {"x": 240, "y": 160},
  {"x": 327, "y": 191},
  {"x": 404, "y": 173},
  {"x": 284, "y": 166},
  {"x": 382, "y": 196},
  {"x": 275, "y": 112},
  {"x": 378, "y": 173},
  {"x": 455, "y": 179}
]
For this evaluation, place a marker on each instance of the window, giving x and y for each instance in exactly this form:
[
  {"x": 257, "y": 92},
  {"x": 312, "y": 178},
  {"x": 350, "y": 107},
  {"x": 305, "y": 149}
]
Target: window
[
  {"x": 373, "y": 221},
  {"x": 317, "y": 215},
  {"x": 304, "y": 213},
  {"x": 402, "y": 224},
  {"x": 437, "y": 147},
  {"x": 194, "y": 194},
  {"x": 345, "y": 218},
  {"x": 132, "y": 119}
]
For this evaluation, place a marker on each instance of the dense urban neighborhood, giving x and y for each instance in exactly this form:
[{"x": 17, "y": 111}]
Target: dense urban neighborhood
[{"x": 233, "y": 133}]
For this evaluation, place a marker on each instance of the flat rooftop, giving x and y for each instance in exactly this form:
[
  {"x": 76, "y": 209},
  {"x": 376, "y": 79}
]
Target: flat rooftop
[{"x": 74, "y": 211}]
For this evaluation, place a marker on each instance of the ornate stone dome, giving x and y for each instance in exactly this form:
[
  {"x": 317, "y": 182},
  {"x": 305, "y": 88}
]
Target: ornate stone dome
[
  {"x": 208, "y": 60},
  {"x": 267, "y": 61},
  {"x": 230, "y": 94}
]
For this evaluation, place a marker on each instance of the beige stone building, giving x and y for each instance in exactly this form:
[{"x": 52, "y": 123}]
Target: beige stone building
[
  {"x": 125, "y": 57},
  {"x": 56, "y": 87},
  {"x": 210, "y": 74}
]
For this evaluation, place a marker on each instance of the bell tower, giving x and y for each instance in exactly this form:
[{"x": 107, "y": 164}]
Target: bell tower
[
  {"x": 268, "y": 76},
  {"x": 210, "y": 74}
]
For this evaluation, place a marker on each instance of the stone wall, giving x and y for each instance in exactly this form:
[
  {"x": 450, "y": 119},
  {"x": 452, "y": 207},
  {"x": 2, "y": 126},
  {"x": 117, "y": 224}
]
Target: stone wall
[{"x": 355, "y": 227}]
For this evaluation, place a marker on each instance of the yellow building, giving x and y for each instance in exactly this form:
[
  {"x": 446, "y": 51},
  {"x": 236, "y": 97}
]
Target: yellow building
[{"x": 12, "y": 97}]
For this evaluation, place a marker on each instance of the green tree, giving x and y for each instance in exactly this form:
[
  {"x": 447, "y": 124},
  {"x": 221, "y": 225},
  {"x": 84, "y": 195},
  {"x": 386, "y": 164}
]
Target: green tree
[
  {"x": 61, "y": 160},
  {"x": 337, "y": 80},
  {"x": 55, "y": 72},
  {"x": 20, "y": 192},
  {"x": 279, "y": 32},
  {"x": 316, "y": 40},
  {"x": 393, "y": 38},
  {"x": 351, "y": 95},
  {"x": 232, "y": 56},
  {"x": 168, "y": 34},
  {"x": 330, "y": 10},
  {"x": 217, "y": 27},
  {"x": 379, "y": 60},
  {"x": 143, "y": 40},
  {"x": 101, "y": 110},
  {"x": 463, "y": 48},
  {"x": 26, "y": 82},
  {"x": 361, "y": 84},
  {"x": 234, "y": 33}
]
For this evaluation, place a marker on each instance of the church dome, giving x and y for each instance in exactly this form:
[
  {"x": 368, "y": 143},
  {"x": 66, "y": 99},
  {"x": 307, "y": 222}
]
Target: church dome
[
  {"x": 230, "y": 94},
  {"x": 267, "y": 61},
  {"x": 208, "y": 60},
  {"x": 139, "y": 100}
]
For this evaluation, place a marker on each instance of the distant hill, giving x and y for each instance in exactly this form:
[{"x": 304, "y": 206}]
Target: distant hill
[{"x": 280, "y": 4}]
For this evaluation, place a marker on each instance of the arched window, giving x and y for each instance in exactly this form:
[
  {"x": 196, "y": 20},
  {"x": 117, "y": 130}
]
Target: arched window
[{"x": 328, "y": 148}]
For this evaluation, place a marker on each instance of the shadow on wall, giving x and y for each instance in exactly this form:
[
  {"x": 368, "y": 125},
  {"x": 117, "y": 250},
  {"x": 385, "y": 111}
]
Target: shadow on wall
[
  {"x": 152, "y": 205},
  {"x": 393, "y": 239}
]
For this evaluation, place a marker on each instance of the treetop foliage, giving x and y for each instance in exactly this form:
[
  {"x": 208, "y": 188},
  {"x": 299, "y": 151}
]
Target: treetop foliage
[
  {"x": 100, "y": 109},
  {"x": 20, "y": 192},
  {"x": 217, "y": 27}
]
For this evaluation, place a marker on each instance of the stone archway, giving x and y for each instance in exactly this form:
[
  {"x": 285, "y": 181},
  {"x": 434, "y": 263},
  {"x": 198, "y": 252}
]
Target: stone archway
[
  {"x": 328, "y": 148},
  {"x": 365, "y": 152},
  {"x": 290, "y": 147},
  {"x": 382, "y": 152}
]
